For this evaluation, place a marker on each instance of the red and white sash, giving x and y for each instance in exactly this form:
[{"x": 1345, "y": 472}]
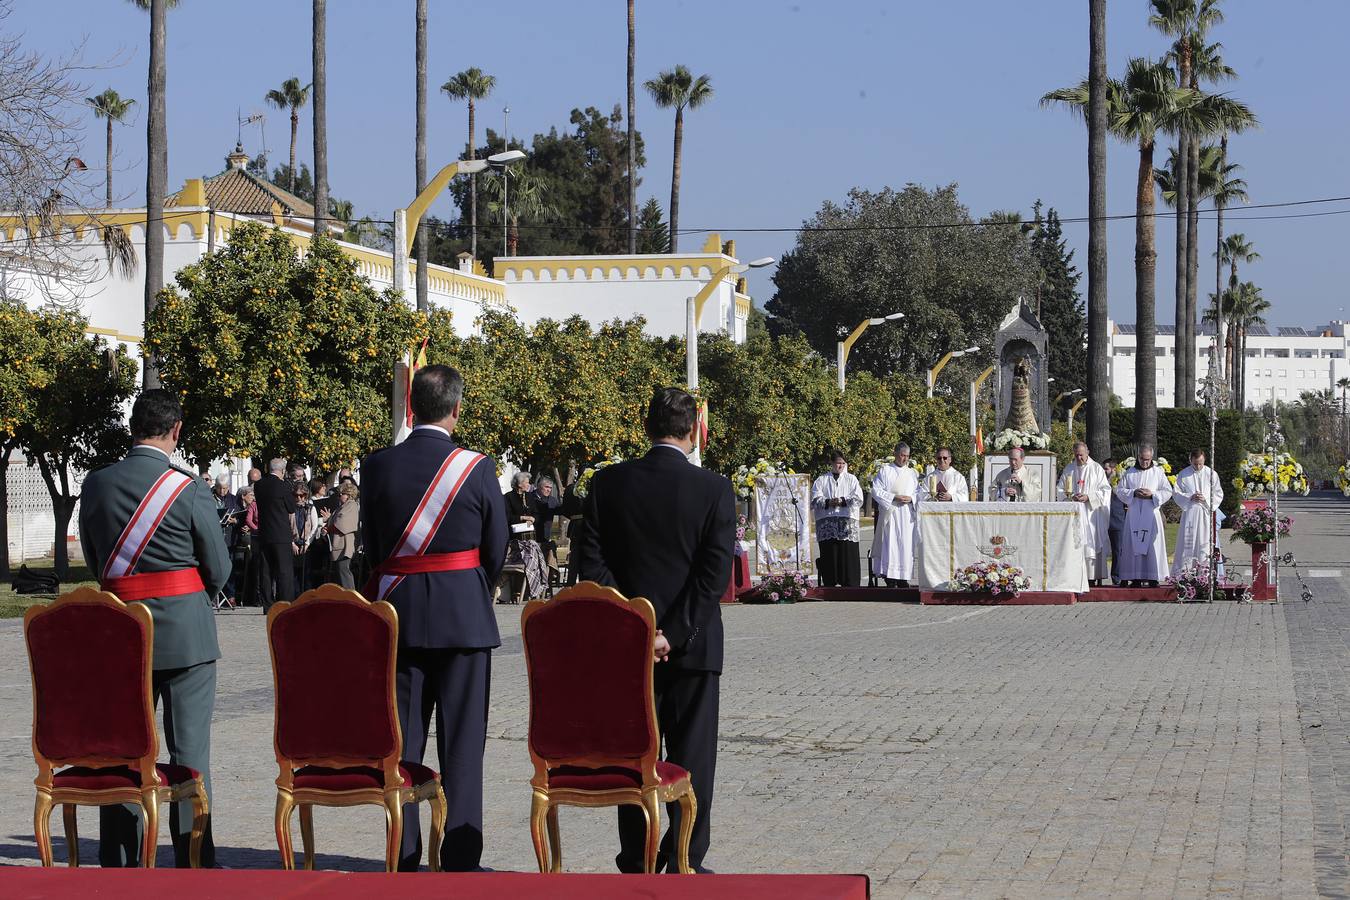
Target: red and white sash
[
  {"x": 144, "y": 522},
  {"x": 426, "y": 519}
]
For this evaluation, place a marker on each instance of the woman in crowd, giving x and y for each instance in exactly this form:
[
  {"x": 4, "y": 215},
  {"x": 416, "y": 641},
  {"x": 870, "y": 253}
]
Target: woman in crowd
[
  {"x": 317, "y": 555},
  {"x": 523, "y": 554},
  {"x": 306, "y": 526},
  {"x": 252, "y": 560},
  {"x": 837, "y": 498},
  {"x": 545, "y": 505},
  {"x": 230, "y": 511},
  {"x": 341, "y": 530}
]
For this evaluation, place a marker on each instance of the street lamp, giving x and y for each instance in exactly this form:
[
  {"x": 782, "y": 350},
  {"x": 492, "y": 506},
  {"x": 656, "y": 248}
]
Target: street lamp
[
  {"x": 842, "y": 348},
  {"x": 951, "y": 354},
  {"x": 406, "y": 220},
  {"x": 1061, "y": 396},
  {"x": 499, "y": 162},
  {"x": 694, "y": 312},
  {"x": 1073, "y": 410}
]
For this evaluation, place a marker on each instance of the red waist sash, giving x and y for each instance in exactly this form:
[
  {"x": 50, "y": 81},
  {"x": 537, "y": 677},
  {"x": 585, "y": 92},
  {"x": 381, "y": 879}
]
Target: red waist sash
[
  {"x": 145, "y": 585},
  {"x": 458, "y": 561}
]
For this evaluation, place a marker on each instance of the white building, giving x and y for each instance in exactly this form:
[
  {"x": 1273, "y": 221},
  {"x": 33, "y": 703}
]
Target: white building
[{"x": 1282, "y": 362}]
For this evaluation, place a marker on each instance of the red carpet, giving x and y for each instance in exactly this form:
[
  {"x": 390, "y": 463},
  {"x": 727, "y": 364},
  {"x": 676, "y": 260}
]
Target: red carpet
[
  {"x": 1026, "y": 598},
  {"x": 21, "y": 883},
  {"x": 1114, "y": 593}
]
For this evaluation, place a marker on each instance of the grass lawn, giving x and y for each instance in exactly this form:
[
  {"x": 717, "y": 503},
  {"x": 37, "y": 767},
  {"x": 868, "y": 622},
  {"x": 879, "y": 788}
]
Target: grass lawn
[{"x": 12, "y": 605}]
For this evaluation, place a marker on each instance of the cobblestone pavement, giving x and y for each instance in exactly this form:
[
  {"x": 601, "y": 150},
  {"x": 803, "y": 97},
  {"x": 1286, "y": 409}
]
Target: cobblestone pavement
[{"x": 1099, "y": 749}]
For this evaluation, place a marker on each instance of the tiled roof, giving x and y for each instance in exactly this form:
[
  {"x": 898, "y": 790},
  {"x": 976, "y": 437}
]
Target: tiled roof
[{"x": 237, "y": 191}]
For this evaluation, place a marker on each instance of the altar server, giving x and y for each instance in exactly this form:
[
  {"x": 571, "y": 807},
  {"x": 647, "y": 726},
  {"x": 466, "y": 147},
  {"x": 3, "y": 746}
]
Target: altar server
[
  {"x": 944, "y": 484},
  {"x": 150, "y": 529},
  {"x": 1199, "y": 493},
  {"x": 1016, "y": 483},
  {"x": 895, "y": 489},
  {"x": 1084, "y": 482},
  {"x": 836, "y": 498},
  {"x": 433, "y": 522},
  {"x": 1143, "y": 551}
]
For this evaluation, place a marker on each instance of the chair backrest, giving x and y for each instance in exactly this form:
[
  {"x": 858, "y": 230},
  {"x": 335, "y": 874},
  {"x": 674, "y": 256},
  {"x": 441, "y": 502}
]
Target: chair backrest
[
  {"x": 333, "y": 655},
  {"x": 588, "y": 652},
  {"x": 90, "y": 659}
]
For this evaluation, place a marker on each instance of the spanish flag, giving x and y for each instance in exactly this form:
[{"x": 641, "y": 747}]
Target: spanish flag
[
  {"x": 702, "y": 434},
  {"x": 414, "y": 363},
  {"x": 979, "y": 441}
]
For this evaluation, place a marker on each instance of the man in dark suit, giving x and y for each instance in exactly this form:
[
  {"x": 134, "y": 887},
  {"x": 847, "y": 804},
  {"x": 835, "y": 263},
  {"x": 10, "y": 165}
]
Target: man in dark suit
[
  {"x": 1117, "y": 523},
  {"x": 433, "y": 520},
  {"x": 276, "y": 533},
  {"x": 661, "y": 528},
  {"x": 183, "y": 565}
]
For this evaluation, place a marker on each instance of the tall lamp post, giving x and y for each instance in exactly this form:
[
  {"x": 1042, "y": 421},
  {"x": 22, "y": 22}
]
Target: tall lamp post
[
  {"x": 951, "y": 354},
  {"x": 406, "y": 220},
  {"x": 1073, "y": 411},
  {"x": 974, "y": 396},
  {"x": 1214, "y": 391},
  {"x": 693, "y": 313},
  {"x": 1055, "y": 405},
  {"x": 844, "y": 347},
  {"x": 499, "y": 163}
]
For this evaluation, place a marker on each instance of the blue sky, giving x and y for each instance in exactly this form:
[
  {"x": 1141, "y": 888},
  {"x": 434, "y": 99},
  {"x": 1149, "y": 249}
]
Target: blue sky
[{"x": 812, "y": 98}]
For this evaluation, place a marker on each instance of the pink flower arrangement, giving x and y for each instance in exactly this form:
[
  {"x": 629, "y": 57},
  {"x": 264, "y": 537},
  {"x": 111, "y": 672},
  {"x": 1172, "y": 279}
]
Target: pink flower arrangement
[
  {"x": 784, "y": 587},
  {"x": 992, "y": 577},
  {"x": 1257, "y": 525}
]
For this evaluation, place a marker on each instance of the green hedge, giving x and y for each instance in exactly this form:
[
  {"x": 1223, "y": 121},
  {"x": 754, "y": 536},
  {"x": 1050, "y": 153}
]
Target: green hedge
[{"x": 1182, "y": 430}]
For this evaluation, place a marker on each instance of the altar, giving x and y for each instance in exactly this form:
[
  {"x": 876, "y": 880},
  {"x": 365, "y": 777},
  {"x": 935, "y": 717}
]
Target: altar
[{"x": 1043, "y": 539}]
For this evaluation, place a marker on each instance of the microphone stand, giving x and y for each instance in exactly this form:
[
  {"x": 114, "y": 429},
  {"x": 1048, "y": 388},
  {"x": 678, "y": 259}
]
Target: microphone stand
[{"x": 797, "y": 528}]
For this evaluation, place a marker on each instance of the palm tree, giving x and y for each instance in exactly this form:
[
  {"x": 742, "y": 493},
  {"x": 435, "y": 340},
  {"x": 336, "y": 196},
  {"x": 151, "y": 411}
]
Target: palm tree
[
  {"x": 632, "y": 133},
  {"x": 156, "y": 169},
  {"x": 422, "y": 285},
  {"x": 527, "y": 200},
  {"x": 677, "y": 88},
  {"x": 109, "y": 105},
  {"x": 1249, "y": 309},
  {"x": 1344, "y": 385},
  {"x": 1145, "y": 102},
  {"x": 1234, "y": 249},
  {"x": 320, "y": 63},
  {"x": 471, "y": 85},
  {"x": 1099, "y": 391},
  {"x": 292, "y": 95}
]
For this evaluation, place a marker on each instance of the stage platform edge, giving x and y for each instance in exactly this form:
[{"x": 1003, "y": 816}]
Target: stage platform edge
[
  {"x": 1026, "y": 598},
  {"x": 864, "y": 594}
]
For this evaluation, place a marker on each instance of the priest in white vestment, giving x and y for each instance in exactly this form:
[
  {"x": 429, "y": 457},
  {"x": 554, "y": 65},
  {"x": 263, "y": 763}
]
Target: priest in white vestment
[
  {"x": 1143, "y": 550},
  {"x": 944, "y": 484},
  {"x": 1199, "y": 493},
  {"x": 1016, "y": 483},
  {"x": 836, "y": 499},
  {"x": 1084, "y": 482},
  {"x": 895, "y": 491}
]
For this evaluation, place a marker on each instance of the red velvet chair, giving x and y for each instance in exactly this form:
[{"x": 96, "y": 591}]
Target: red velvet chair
[
  {"x": 336, "y": 735},
  {"x": 94, "y": 714},
  {"x": 593, "y": 737}
]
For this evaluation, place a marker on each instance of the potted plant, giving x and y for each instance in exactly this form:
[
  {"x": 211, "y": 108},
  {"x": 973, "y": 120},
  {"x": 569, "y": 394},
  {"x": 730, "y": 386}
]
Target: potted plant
[{"x": 1257, "y": 527}]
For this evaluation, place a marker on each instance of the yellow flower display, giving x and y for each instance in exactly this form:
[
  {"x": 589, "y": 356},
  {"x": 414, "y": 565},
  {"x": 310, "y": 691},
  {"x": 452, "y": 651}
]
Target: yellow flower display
[
  {"x": 1260, "y": 472},
  {"x": 1343, "y": 478}
]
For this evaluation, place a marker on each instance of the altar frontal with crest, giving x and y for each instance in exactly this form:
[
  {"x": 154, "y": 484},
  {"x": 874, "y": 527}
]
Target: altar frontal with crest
[{"x": 1043, "y": 539}]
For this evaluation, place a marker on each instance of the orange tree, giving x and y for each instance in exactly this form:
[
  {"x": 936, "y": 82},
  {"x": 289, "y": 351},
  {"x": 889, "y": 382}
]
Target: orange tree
[
  {"x": 279, "y": 355},
  {"x": 21, "y": 375}
]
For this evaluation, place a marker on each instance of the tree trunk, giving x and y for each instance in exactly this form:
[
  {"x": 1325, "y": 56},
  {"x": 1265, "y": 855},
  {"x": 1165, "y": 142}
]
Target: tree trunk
[
  {"x": 110, "y": 154},
  {"x": 1218, "y": 257},
  {"x": 156, "y": 179},
  {"x": 1180, "y": 183},
  {"x": 320, "y": 101},
  {"x": 4, "y": 510},
  {"x": 513, "y": 244},
  {"x": 63, "y": 504},
  {"x": 420, "y": 154},
  {"x": 473, "y": 186},
  {"x": 1098, "y": 375},
  {"x": 675, "y": 181},
  {"x": 295, "y": 131},
  {"x": 1192, "y": 265},
  {"x": 1145, "y": 271},
  {"x": 632, "y": 134}
]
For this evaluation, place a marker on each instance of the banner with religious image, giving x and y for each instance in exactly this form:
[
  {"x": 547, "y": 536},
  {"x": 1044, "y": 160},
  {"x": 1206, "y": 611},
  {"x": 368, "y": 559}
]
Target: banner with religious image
[{"x": 783, "y": 524}]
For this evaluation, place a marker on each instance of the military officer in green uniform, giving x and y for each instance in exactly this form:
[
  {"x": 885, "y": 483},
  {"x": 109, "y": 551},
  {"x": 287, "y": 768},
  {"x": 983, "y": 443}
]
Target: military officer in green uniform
[{"x": 151, "y": 533}]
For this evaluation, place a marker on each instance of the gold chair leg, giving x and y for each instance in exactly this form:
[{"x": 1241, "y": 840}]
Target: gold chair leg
[
  {"x": 150, "y": 805},
  {"x": 538, "y": 813},
  {"x": 285, "y": 803},
  {"x": 201, "y": 808},
  {"x": 72, "y": 833},
  {"x": 652, "y": 807},
  {"x": 307, "y": 833},
  {"x": 439, "y": 809},
  {"x": 393, "y": 819},
  {"x": 688, "y": 812},
  {"x": 42, "y": 826},
  {"x": 554, "y": 841}
]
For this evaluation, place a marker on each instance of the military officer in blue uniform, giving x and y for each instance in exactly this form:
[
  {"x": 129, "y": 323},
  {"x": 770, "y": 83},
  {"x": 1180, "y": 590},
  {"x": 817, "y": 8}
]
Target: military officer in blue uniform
[
  {"x": 434, "y": 525},
  {"x": 150, "y": 530}
]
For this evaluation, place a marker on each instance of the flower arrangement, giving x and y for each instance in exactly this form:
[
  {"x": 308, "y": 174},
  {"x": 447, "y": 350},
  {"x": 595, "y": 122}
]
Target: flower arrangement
[
  {"x": 741, "y": 523},
  {"x": 1193, "y": 583},
  {"x": 1343, "y": 478},
  {"x": 784, "y": 587},
  {"x": 991, "y": 577},
  {"x": 1128, "y": 462},
  {"x": 1010, "y": 437},
  {"x": 1258, "y": 474},
  {"x": 745, "y": 477},
  {"x": 1257, "y": 526},
  {"x": 584, "y": 482}
]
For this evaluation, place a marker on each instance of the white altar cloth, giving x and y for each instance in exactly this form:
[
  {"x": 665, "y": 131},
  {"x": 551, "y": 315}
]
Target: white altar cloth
[{"x": 1043, "y": 539}]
